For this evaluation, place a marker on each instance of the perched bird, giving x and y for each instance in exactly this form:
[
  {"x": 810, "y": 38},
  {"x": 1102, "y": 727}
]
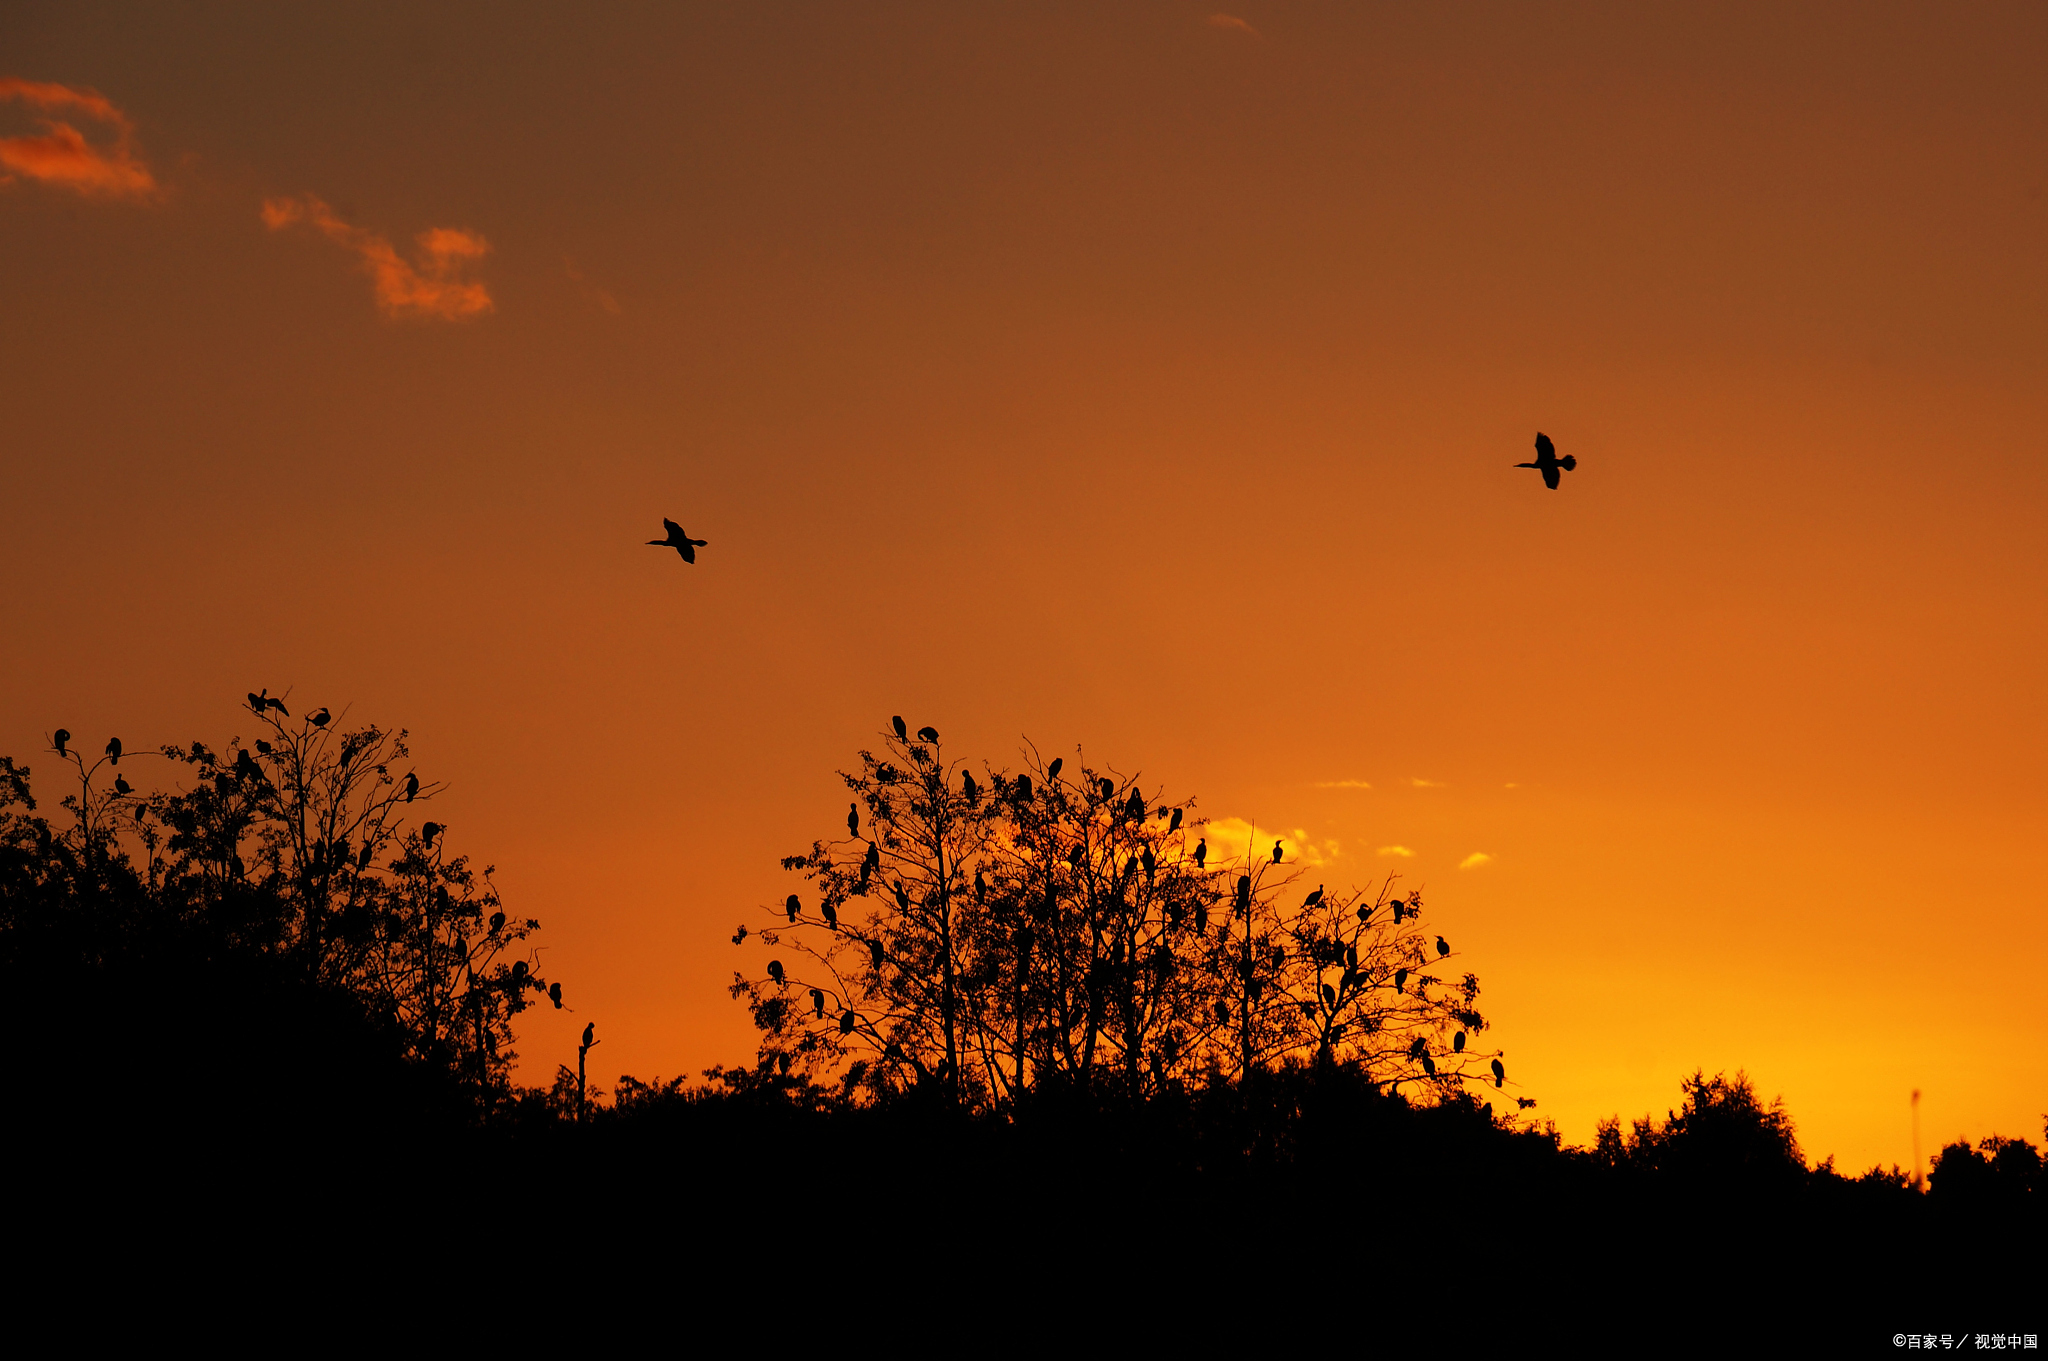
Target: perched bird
[
  {"x": 847, "y": 1021},
  {"x": 257, "y": 702},
  {"x": 363, "y": 857},
  {"x": 1244, "y": 894},
  {"x": 1052, "y": 772},
  {"x": 122, "y": 787},
  {"x": 1174, "y": 826},
  {"x": 1500, "y": 1074},
  {"x": 980, "y": 888},
  {"x": 1429, "y": 1065},
  {"x": 872, "y": 861},
  {"x": 968, "y": 787},
  {"x": 1443, "y": 947},
  {"x": 1276, "y": 852},
  {"x": 114, "y": 750},
  {"x": 1150, "y": 862},
  {"x": 928, "y": 734},
  {"x": 1201, "y": 852},
  {"x": 1023, "y": 788},
  {"x": 321, "y": 717},
  {"x": 1313, "y": 898},
  {"x": 428, "y": 831},
  {"x": 875, "y": 953},
  {"x": 775, "y": 969},
  {"x": 794, "y": 905},
  {"x": 1201, "y": 918},
  {"x": 589, "y": 1034},
  {"x": 1329, "y": 995},
  {"x": 1365, "y": 913},
  {"x": 831, "y": 915},
  {"x": 1108, "y": 789},
  {"x": 818, "y": 1002},
  {"x": 1458, "y": 1042},
  {"x": 245, "y": 766},
  {"x": 902, "y": 896},
  {"x": 1400, "y": 979},
  {"x": 264, "y": 747},
  {"x": 497, "y": 922},
  {"x": 412, "y": 786},
  {"x": 678, "y": 540},
  {"x": 278, "y": 704},
  {"x": 1418, "y": 1047},
  {"x": 853, "y": 819},
  {"x": 902, "y": 728},
  {"x": 555, "y": 995},
  {"x": 1134, "y": 807},
  {"x": 61, "y": 738},
  {"x": 1547, "y": 462}
]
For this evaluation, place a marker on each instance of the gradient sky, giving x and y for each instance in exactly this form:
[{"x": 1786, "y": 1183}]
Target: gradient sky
[{"x": 1114, "y": 376}]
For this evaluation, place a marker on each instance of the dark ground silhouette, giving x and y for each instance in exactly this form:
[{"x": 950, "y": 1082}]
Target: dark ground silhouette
[{"x": 285, "y": 1061}]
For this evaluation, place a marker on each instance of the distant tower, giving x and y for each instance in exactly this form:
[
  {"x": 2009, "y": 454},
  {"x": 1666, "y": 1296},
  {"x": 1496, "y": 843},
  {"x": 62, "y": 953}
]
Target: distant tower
[{"x": 1919, "y": 1182}]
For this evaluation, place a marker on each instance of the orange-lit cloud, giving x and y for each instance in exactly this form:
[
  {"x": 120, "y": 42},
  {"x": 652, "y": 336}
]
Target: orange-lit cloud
[
  {"x": 1234, "y": 839},
  {"x": 1475, "y": 860},
  {"x": 1401, "y": 851},
  {"x": 1230, "y": 21},
  {"x": 1342, "y": 784},
  {"x": 62, "y": 156},
  {"x": 1421, "y": 783},
  {"x": 428, "y": 288}
]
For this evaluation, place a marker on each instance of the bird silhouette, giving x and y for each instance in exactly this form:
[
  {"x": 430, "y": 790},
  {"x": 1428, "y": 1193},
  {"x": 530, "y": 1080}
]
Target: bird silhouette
[
  {"x": 968, "y": 787},
  {"x": 1201, "y": 852},
  {"x": 256, "y": 700},
  {"x": 831, "y": 915},
  {"x": 678, "y": 540},
  {"x": 1149, "y": 861},
  {"x": 264, "y": 747},
  {"x": 872, "y": 861},
  {"x": 1313, "y": 898},
  {"x": 278, "y": 704},
  {"x": 555, "y": 995},
  {"x": 1548, "y": 463},
  {"x": 1365, "y": 913},
  {"x": 902, "y": 897},
  {"x": 122, "y": 787},
  {"x": 1108, "y": 788},
  {"x": 847, "y": 1021},
  {"x": 321, "y": 718},
  {"x": 980, "y": 888},
  {"x": 1429, "y": 1065},
  {"x": 1443, "y": 947},
  {"x": 775, "y": 969},
  {"x": 1400, "y": 979},
  {"x": 363, "y": 858},
  {"x": 412, "y": 786},
  {"x": 818, "y": 1002},
  {"x": 61, "y": 738},
  {"x": 246, "y": 767},
  {"x": 853, "y": 819},
  {"x": 1174, "y": 826},
  {"x": 875, "y": 953},
  {"x": 1276, "y": 852},
  {"x": 1500, "y": 1074},
  {"x": 428, "y": 831},
  {"x": 1458, "y": 1042},
  {"x": 114, "y": 750},
  {"x": 1244, "y": 895},
  {"x": 902, "y": 728},
  {"x": 793, "y": 905},
  {"x": 1134, "y": 807},
  {"x": 497, "y": 922},
  {"x": 1052, "y": 772},
  {"x": 589, "y": 1034},
  {"x": 928, "y": 734}
]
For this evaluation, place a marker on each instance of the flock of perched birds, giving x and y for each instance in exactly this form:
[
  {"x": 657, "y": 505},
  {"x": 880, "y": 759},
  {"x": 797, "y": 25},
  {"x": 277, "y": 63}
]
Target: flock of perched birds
[{"x": 1547, "y": 462}]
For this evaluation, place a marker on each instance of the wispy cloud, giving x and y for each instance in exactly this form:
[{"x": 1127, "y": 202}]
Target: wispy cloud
[
  {"x": 62, "y": 155},
  {"x": 1342, "y": 784},
  {"x": 591, "y": 292},
  {"x": 1230, "y": 21},
  {"x": 428, "y": 287},
  {"x": 1401, "y": 851},
  {"x": 1426, "y": 784},
  {"x": 1475, "y": 860},
  {"x": 1235, "y": 839}
]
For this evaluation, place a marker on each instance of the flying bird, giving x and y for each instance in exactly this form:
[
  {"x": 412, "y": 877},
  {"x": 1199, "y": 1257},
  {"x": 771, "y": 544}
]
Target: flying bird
[
  {"x": 1548, "y": 463},
  {"x": 678, "y": 540},
  {"x": 928, "y": 734},
  {"x": 62, "y": 737},
  {"x": 902, "y": 728}
]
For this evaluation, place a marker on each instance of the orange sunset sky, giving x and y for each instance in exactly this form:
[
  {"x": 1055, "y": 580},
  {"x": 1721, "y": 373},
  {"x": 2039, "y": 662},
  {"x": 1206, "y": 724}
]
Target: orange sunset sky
[{"x": 1126, "y": 376}]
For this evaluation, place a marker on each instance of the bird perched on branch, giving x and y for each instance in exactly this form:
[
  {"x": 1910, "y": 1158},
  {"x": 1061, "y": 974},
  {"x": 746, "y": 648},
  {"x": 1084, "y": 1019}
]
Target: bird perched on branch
[
  {"x": 63, "y": 736},
  {"x": 321, "y": 718},
  {"x": 1548, "y": 463},
  {"x": 793, "y": 905},
  {"x": 412, "y": 786},
  {"x": 679, "y": 541},
  {"x": 902, "y": 728},
  {"x": 928, "y": 734},
  {"x": 1052, "y": 772},
  {"x": 853, "y": 819},
  {"x": 114, "y": 750},
  {"x": 1201, "y": 852}
]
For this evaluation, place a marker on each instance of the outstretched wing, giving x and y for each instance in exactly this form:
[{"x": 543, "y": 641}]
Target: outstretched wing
[
  {"x": 689, "y": 553},
  {"x": 1544, "y": 448},
  {"x": 1550, "y": 476},
  {"x": 675, "y": 531}
]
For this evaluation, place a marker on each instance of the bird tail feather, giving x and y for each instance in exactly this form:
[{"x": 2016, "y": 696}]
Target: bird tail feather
[{"x": 1568, "y": 462}]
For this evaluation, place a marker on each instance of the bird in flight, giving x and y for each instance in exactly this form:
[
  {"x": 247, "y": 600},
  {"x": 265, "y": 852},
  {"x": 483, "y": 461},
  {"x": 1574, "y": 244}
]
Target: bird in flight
[
  {"x": 1548, "y": 463},
  {"x": 679, "y": 541}
]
